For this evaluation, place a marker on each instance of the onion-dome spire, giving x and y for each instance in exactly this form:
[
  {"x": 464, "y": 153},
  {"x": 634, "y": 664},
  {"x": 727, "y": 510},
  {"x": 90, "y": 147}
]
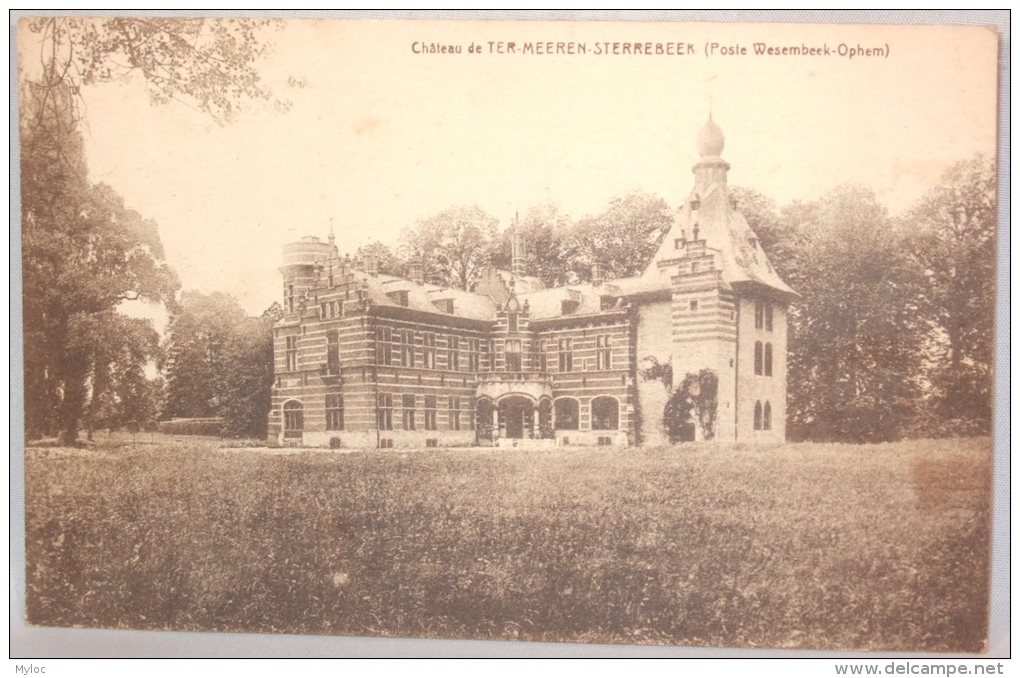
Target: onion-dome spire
[{"x": 710, "y": 139}]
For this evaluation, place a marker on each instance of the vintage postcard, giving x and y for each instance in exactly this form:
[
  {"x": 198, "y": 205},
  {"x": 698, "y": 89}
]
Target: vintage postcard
[{"x": 640, "y": 333}]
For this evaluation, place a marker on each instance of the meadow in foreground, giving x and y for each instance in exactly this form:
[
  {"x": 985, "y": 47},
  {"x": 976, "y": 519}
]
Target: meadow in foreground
[{"x": 806, "y": 545}]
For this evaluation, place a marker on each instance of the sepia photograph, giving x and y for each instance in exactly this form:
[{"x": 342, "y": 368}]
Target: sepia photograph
[{"x": 611, "y": 333}]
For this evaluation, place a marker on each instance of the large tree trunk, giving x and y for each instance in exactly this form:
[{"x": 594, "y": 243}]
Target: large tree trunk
[{"x": 75, "y": 371}]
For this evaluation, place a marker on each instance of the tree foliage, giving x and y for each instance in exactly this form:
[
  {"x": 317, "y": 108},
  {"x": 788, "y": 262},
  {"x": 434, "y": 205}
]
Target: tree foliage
[
  {"x": 454, "y": 246},
  {"x": 219, "y": 363},
  {"x": 695, "y": 398},
  {"x": 546, "y": 233},
  {"x": 118, "y": 349},
  {"x": 84, "y": 252},
  {"x": 206, "y": 64},
  {"x": 955, "y": 247},
  {"x": 857, "y": 336},
  {"x": 622, "y": 238},
  {"x": 387, "y": 261}
]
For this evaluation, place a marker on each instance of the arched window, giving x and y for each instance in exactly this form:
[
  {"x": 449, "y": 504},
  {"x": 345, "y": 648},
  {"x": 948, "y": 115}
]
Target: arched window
[
  {"x": 768, "y": 360},
  {"x": 757, "y": 357},
  {"x": 766, "y": 417},
  {"x": 293, "y": 419},
  {"x": 567, "y": 414},
  {"x": 605, "y": 414},
  {"x": 483, "y": 418},
  {"x": 757, "y": 416}
]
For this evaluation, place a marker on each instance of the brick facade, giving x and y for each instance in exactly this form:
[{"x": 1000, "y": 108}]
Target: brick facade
[{"x": 370, "y": 360}]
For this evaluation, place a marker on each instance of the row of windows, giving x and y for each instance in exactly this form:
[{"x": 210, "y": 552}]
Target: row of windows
[
  {"x": 763, "y": 359},
  {"x": 392, "y": 345},
  {"x": 763, "y": 416},
  {"x": 605, "y": 413},
  {"x": 564, "y": 352},
  {"x": 331, "y": 309},
  {"x": 398, "y": 347},
  {"x": 409, "y": 420}
]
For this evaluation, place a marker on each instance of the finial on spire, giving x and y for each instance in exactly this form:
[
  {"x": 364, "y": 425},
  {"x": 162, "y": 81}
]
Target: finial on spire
[
  {"x": 332, "y": 238},
  {"x": 518, "y": 256}
]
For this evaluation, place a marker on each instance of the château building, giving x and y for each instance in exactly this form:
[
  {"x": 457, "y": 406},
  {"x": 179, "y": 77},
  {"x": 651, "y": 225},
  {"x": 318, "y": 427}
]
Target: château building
[{"x": 365, "y": 359}]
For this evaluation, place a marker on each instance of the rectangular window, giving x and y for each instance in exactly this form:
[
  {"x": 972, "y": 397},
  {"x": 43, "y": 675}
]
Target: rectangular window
[
  {"x": 408, "y": 411},
  {"x": 293, "y": 419},
  {"x": 428, "y": 350},
  {"x": 473, "y": 356},
  {"x": 288, "y": 298},
  {"x": 322, "y": 310},
  {"x": 385, "y": 412},
  {"x": 566, "y": 354},
  {"x": 454, "y": 413},
  {"x": 292, "y": 354},
  {"x": 768, "y": 316},
  {"x": 334, "y": 412},
  {"x": 333, "y": 352},
  {"x": 511, "y": 322},
  {"x": 383, "y": 346},
  {"x": 512, "y": 355},
  {"x": 430, "y": 413},
  {"x": 604, "y": 353},
  {"x": 759, "y": 314},
  {"x": 538, "y": 360},
  {"x": 453, "y": 362},
  {"x": 407, "y": 349}
]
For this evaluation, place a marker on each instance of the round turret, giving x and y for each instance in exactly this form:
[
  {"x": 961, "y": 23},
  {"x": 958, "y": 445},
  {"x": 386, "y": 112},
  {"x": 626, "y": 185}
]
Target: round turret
[
  {"x": 306, "y": 252},
  {"x": 710, "y": 139}
]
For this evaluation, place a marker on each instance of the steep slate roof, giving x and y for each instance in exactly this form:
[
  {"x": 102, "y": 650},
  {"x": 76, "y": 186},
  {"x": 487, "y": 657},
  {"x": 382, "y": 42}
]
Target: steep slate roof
[{"x": 723, "y": 228}]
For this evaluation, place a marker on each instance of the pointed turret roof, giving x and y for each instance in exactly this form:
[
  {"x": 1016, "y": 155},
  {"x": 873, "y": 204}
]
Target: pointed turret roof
[{"x": 709, "y": 215}]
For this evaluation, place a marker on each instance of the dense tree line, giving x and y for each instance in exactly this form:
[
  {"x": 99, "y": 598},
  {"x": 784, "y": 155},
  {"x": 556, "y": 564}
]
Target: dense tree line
[
  {"x": 892, "y": 336},
  {"x": 456, "y": 245}
]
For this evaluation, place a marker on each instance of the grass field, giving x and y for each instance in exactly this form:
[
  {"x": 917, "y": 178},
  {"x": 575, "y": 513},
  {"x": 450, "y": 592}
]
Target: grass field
[{"x": 817, "y": 546}]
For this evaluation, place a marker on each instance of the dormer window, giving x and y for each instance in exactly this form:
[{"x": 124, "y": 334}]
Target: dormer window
[
  {"x": 568, "y": 306},
  {"x": 607, "y": 302},
  {"x": 444, "y": 305},
  {"x": 511, "y": 321},
  {"x": 399, "y": 297}
]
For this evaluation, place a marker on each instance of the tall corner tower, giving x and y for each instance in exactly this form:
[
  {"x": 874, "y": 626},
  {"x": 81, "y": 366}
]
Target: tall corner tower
[{"x": 729, "y": 306}]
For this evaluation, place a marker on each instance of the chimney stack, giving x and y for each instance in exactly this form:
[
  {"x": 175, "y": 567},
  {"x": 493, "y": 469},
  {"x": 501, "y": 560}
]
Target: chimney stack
[
  {"x": 597, "y": 275},
  {"x": 416, "y": 272}
]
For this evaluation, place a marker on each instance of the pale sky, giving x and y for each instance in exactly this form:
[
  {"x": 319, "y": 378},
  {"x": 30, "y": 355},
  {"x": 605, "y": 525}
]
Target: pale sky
[{"x": 379, "y": 136}]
